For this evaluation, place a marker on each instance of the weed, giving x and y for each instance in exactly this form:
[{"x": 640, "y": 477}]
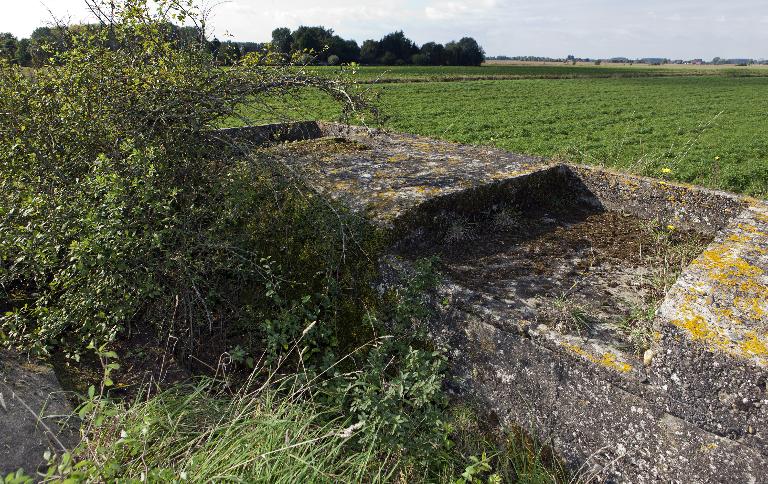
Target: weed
[
  {"x": 568, "y": 316},
  {"x": 668, "y": 252},
  {"x": 507, "y": 218},
  {"x": 638, "y": 326},
  {"x": 460, "y": 229}
]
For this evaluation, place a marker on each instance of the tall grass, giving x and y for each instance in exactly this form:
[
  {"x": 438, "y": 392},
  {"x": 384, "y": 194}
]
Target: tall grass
[{"x": 201, "y": 432}]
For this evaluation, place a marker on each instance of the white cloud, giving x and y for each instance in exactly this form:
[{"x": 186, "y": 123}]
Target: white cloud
[{"x": 454, "y": 10}]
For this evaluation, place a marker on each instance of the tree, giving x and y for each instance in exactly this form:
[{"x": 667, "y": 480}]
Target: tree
[
  {"x": 471, "y": 52},
  {"x": 452, "y": 53},
  {"x": 312, "y": 39},
  {"x": 346, "y": 50},
  {"x": 419, "y": 59},
  {"x": 23, "y": 57},
  {"x": 434, "y": 54},
  {"x": 45, "y": 43},
  {"x": 396, "y": 47},
  {"x": 187, "y": 36},
  {"x": 389, "y": 59},
  {"x": 465, "y": 52},
  {"x": 282, "y": 40},
  {"x": 214, "y": 46},
  {"x": 8, "y": 46},
  {"x": 248, "y": 47},
  {"x": 369, "y": 52}
]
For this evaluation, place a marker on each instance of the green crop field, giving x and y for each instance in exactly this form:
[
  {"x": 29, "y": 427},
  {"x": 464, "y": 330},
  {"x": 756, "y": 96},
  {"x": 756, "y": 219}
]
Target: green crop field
[
  {"x": 542, "y": 71},
  {"x": 705, "y": 130}
]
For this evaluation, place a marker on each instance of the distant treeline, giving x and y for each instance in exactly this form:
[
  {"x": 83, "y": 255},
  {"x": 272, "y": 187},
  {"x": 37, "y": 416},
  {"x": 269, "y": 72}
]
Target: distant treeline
[
  {"x": 317, "y": 45},
  {"x": 392, "y": 49},
  {"x": 45, "y": 42},
  {"x": 626, "y": 60}
]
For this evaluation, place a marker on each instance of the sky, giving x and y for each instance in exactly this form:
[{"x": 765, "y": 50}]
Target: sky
[{"x": 683, "y": 29}]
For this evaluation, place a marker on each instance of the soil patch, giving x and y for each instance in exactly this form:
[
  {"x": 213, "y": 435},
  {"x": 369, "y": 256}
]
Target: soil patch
[{"x": 582, "y": 270}]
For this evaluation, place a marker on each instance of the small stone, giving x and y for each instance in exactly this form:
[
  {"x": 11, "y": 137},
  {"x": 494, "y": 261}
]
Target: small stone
[
  {"x": 750, "y": 430},
  {"x": 648, "y": 357}
]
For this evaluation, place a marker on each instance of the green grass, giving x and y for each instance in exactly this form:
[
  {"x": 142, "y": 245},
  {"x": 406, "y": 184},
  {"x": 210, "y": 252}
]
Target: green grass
[
  {"x": 549, "y": 71},
  {"x": 201, "y": 432},
  {"x": 706, "y": 130}
]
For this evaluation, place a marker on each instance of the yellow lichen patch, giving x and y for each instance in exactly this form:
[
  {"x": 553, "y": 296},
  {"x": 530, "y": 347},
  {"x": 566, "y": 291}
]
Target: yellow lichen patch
[
  {"x": 739, "y": 238},
  {"x": 725, "y": 267},
  {"x": 424, "y": 146},
  {"x": 427, "y": 190},
  {"x": 708, "y": 447},
  {"x": 699, "y": 330},
  {"x": 752, "y": 230},
  {"x": 754, "y": 345},
  {"x": 724, "y": 313},
  {"x": 752, "y": 306},
  {"x": 501, "y": 175},
  {"x": 397, "y": 158},
  {"x": 607, "y": 360},
  {"x": 752, "y": 289}
]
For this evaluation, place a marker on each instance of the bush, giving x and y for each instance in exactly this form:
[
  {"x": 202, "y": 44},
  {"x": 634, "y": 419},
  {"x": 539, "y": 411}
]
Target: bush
[
  {"x": 113, "y": 184},
  {"x": 333, "y": 60}
]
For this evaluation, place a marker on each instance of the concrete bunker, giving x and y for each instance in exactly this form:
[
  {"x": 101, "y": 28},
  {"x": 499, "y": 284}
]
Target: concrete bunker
[
  {"x": 622, "y": 319},
  {"x": 548, "y": 251}
]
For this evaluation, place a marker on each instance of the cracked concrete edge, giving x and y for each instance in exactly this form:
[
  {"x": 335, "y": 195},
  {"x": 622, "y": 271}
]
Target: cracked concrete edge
[
  {"x": 603, "y": 430},
  {"x": 35, "y": 414}
]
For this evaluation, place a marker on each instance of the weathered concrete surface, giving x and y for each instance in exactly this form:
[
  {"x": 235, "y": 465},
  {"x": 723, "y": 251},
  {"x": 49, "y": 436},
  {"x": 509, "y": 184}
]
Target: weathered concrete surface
[
  {"x": 388, "y": 175},
  {"x": 34, "y": 414},
  {"x": 714, "y": 346},
  {"x": 693, "y": 411}
]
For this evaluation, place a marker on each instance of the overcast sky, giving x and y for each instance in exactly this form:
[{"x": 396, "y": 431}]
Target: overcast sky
[{"x": 556, "y": 28}]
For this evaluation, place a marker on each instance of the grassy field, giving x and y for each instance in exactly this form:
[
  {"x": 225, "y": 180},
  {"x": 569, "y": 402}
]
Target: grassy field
[
  {"x": 705, "y": 130},
  {"x": 503, "y": 71}
]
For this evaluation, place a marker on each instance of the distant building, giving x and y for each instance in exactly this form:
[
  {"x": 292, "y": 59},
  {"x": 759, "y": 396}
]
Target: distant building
[{"x": 697, "y": 62}]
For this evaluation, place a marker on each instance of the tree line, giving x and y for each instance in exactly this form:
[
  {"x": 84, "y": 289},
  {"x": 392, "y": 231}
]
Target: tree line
[
  {"x": 315, "y": 44},
  {"x": 45, "y": 42},
  {"x": 392, "y": 49}
]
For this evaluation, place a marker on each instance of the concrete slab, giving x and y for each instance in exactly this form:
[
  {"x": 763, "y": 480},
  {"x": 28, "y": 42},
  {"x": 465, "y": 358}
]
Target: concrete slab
[
  {"x": 545, "y": 265},
  {"x": 35, "y": 415}
]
